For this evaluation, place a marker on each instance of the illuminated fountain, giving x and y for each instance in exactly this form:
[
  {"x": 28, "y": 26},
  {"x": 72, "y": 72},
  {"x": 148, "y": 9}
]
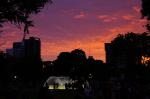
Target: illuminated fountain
[{"x": 59, "y": 83}]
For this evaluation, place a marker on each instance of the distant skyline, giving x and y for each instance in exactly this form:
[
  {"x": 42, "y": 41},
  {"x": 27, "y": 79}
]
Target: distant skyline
[{"x": 86, "y": 24}]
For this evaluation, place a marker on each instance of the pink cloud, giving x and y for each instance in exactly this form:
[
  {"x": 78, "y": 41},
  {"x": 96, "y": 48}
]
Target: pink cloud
[
  {"x": 102, "y": 16},
  {"x": 128, "y": 17},
  {"x": 110, "y": 19},
  {"x": 80, "y": 15},
  {"x": 131, "y": 27},
  {"x": 106, "y": 18},
  {"x": 137, "y": 9}
]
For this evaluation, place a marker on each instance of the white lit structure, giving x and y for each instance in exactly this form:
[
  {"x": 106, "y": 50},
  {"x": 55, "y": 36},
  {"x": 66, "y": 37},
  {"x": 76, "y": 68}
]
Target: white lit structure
[{"x": 58, "y": 83}]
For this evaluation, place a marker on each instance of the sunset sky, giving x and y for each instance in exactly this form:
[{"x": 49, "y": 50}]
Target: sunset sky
[{"x": 87, "y": 24}]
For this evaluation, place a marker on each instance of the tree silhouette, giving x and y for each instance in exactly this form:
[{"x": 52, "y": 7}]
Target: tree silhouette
[
  {"x": 79, "y": 61},
  {"x": 18, "y": 11},
  {"x": 146, "y": 8},
  {"x": 128, "y": 50},
  {"x": 135, "y": 45},
  {"x": 70, "y": 63},
  {"x": 146, "y": 11},
  {"x": 63, "y": 63}
]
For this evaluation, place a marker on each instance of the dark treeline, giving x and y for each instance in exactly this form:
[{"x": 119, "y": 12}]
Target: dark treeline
[
  {"x": 125, "y": 75},
  {"x": 128, "y": 58},
  {"x": 75, "y": 64}
]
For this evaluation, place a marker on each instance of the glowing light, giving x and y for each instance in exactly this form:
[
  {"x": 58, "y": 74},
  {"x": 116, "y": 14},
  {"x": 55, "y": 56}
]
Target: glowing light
[
  {"x": 51, "y": 87},
  {"x": 15, "y": 77},
  {"x": 145, "y": 60},
  {"x": 59, "y": 87},
  {"x": 58, "y": 83}
]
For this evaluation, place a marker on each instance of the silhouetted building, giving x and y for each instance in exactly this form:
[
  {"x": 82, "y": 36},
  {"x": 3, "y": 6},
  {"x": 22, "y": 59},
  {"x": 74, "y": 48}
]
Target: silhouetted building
[
  {"x": 32, "y": 48},
  {"x": 10, "y": 52},
  {"x": 18, "y": 49},
  {"x": 28, "y": 48}
]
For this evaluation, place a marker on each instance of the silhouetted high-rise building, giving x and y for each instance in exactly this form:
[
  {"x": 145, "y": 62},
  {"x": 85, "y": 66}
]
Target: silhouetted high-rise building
[
  {"x": 28, "y": 48},
  {"x": 32, "y": 48}
]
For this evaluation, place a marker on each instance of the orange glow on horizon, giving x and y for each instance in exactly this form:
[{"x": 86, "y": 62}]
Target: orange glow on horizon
[
  {"x": 91, "y": 48},
  {"x": 65, "y": 28}
]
